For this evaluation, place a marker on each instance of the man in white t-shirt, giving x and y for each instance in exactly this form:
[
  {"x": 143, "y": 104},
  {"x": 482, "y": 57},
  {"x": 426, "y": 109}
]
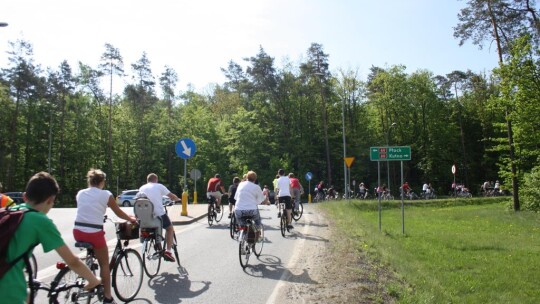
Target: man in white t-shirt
[
  {"x": 284, "y": 195},
  {"x": 154, "y": 191}
]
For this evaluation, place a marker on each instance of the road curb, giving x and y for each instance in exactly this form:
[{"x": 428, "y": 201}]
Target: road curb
[{"x": 189, "y": 221}]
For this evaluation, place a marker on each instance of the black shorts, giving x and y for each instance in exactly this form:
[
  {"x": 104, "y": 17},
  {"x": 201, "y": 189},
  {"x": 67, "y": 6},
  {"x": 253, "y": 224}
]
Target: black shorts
[
  {"x": 165, "y": 221},
  {"x": 286, "y": 200}
]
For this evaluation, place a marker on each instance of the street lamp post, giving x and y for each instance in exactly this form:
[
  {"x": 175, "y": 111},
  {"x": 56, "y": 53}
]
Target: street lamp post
[{"x": 387, "y": 145}]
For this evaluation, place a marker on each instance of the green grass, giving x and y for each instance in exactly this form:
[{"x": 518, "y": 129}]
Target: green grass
[{"x": 453, "y": 251}]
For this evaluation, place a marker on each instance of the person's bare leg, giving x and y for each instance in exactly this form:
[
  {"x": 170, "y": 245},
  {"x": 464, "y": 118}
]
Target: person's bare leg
[
  {"x": 169, "y": 237},
  {"x": 102, "y": 255},
  {"x": 288, "y": 216}
]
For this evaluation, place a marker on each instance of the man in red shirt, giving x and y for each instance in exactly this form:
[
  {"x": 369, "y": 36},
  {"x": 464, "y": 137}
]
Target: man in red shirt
[
  {"x": 297, "y": 190},
  {"x": 213, "y": 189},
  {"x": 406, "y": 189}
]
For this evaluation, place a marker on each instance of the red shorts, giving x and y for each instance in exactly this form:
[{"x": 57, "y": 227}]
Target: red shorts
[{"x": 97, "y": 239}]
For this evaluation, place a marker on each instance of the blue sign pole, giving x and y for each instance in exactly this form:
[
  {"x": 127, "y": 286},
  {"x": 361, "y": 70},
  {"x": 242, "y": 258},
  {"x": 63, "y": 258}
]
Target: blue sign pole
[
  {"x": 185, "y": 148},
  {"x": 309, "y": 176}
]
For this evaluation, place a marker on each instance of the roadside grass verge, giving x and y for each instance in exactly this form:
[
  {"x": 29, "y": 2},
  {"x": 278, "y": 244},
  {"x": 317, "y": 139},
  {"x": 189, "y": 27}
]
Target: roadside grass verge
[{"x": 453, "y": 251}]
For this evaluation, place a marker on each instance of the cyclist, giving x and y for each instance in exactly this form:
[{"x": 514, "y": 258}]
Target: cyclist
[
  {"x": 331, "y": 193},
  {"x": 4, "y": 199},
  {"x": 319, "y": 191},
  {"x": 381, "y": 191},
  {"x": 296, "y": 189},
  {"x": 496, "y": 188},
  {"x": 37, "y": 228},
  {"x": 406, "y": 190},
  {"x": 92, "y": 204},
  {"x": 248, "y": 196},
  {"x": 266, "y": 192},
  {"x": 154, "y": 191},
  {"x": 425, "y": 188},
  {"x": 274, "y": 183},
  {"x": 284, "y": 195},
  {"x": 362, "y": 191},
  {"x": 232, "y": 192},
  {"x": 215, "y": 189}
]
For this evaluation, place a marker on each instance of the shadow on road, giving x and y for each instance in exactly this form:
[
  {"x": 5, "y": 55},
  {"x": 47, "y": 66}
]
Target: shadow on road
[
  {"x": 272, "y": 268},
  {"x": 172, "y": 288}
]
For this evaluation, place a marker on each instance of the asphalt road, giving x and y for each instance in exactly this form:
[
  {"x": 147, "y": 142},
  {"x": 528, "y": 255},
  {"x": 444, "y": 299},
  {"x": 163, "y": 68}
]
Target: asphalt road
[{"x": 210, "y": 257}]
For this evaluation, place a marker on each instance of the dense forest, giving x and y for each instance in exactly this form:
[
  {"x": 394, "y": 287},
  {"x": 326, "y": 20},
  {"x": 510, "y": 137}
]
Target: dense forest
[{"x": 66, "y": 120}]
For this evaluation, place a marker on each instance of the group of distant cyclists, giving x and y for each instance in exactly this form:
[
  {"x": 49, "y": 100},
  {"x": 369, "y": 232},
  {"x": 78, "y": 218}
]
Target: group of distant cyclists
[{"x": 245, "y": 195}]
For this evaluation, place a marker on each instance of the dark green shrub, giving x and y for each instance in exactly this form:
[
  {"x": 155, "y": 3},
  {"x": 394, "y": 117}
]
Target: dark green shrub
[{"x": 531, "y": 190}]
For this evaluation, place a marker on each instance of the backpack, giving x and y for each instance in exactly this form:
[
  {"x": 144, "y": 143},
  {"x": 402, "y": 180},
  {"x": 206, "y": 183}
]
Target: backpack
[{"x": 9, "y": 222}]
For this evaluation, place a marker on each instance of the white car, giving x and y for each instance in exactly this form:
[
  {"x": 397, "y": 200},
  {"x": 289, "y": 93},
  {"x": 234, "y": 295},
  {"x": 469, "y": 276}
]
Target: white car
[{"x": 127, "y": 198}]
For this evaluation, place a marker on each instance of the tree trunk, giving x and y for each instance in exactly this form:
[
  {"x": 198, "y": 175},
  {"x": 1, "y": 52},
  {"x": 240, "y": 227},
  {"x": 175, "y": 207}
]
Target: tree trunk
[
  {"x": 515, "y": 184},
  {"x": 326, "y": 143}
]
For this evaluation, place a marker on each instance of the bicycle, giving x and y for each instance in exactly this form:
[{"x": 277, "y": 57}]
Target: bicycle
[
  {"x": 213, "y": 214},
  {"x": 319, "y": 196},
  {"x": 65, "y": 287},
  {"x": 386, "y": 195},
  {"x": 283, "y": 219},
  {"x": 233, "y": 226},
  {"x": 249, "y": 240},
  {"x": 126, "y": 265},
  {"x": 33, "y": 268},
  {"x": 429, "y": 195},
  {"x": 153, "y": 248}
]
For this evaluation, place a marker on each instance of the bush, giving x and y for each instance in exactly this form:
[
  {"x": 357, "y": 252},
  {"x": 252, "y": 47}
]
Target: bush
[{"x": 531, "y": 190}]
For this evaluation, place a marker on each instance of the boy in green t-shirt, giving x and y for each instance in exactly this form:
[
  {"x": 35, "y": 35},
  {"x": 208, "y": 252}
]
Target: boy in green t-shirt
[{"x": 37, "y": 228}]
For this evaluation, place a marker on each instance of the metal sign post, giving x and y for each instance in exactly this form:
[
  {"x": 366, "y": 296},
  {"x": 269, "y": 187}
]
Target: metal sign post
[
  {"x": 402, "y": 203},
  {"x": 399, "y": 153},
  {"x": 308, "y": 177},
  {"x": 195, "y": 174},
  {"x": 454, "y": 184},
  {"x": 348, "y": 162},
  {"x": 185, "y": 148},
  {"x": 377, "y": 192}
]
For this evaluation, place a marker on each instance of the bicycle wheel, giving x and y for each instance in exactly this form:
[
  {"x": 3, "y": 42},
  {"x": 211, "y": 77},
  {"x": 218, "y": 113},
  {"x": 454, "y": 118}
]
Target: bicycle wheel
[
  {"x": 151, "y": 256},
  {"x": 127, "y": 275},
  {"x": 72, "y": 295},
  {"x": 259, "y": 243},
  {"x": 233, "y": 229},
  {"x": 33, "y": 268},
  {"x": 219, "y": 215},
  {"x": 244, "y": 251},
  {"x": 283, "y": 224},
  {"x": 211, "y": 214},
  {"x": 296, "y": 215}
]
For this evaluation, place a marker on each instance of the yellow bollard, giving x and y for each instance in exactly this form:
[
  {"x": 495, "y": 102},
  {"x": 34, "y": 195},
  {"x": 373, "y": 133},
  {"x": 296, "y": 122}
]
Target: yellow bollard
[
  {"x": 194, "y": 197},
  {"x": 309, "y": 198},
  {"x": 184, "y": 203}
]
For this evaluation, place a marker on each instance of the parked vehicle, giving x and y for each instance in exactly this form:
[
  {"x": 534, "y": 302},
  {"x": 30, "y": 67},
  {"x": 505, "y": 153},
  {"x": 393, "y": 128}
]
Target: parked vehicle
[
  {"x": 127, "y": 198},
  {"x": 166, "y": 201},
  {"x": 17, "y": 197}
]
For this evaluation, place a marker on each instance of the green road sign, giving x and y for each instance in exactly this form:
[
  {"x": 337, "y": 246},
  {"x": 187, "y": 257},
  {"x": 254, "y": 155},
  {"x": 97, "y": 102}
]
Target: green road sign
[{"x": 390, "y": 153}]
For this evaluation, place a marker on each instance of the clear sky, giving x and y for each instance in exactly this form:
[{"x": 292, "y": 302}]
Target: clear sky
[{"x": 197, "y": 38}]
